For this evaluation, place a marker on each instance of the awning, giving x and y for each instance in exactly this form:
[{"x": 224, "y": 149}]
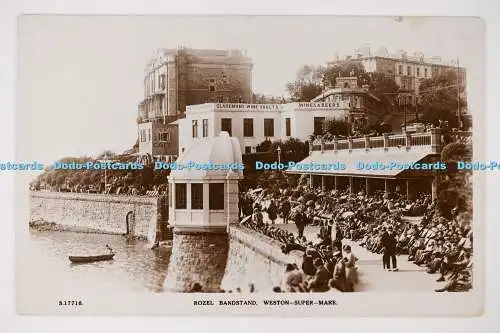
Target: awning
[{"x": 376, "y": 165}]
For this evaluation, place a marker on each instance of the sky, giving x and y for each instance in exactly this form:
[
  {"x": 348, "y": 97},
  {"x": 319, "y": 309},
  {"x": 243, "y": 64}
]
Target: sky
[{"x": 80, "y": 78}]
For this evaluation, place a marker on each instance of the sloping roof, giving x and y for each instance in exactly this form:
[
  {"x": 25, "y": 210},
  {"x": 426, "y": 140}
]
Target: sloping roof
[{"x": 390, "y": 165}]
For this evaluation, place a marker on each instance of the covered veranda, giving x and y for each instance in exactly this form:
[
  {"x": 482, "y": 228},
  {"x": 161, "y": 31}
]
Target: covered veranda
[{"x": 354, "y": 179}]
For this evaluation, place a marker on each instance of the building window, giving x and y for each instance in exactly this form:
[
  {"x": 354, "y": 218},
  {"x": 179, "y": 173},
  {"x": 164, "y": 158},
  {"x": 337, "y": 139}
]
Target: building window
[
  {"x": 248, "y": 149},
  {"x": 226, "y": 125},
  {"x": 288, "y": 127},
  {"x": 196, "y": 196},
  {"x": 180, "y": 196},
  {"x": 247, "y": 127},
  {"x": 164, "y": 136},
  {"x": 425, "y": 72},
  {"x": 195, "y": 128},
  {"x": 408, "y": 70},
  {"x": 418, "y": 71},
  {"x": 205, "y": 128},
  {"x": 162, "y": 81},
  {"x": 318, "y": 125},
  {"x": 211, "y": 85},
  {"x": 400, "y": 69},
  {"x": 216, "y": 196},
  {"x": 149, "y": 135},
  {"x": 268, "y": 127}
]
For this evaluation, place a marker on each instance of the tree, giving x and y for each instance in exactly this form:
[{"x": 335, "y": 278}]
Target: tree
[
  {"x": 455, "y": 152},
  {"x": 344, "y": 69},
  {"x": 376, "y": 82},
  {"x": 381, "y": 83},
  {"x": 439, "y": 98},
  {"x": 60, "y": 179},
  {"x": 264, "y": 146},
  {"x": 308, "y": 83},
  {"x": 294, "y": 145},
  {"x": 335, "y": 127},
  {"x": 106, "y": 155},
  {"x": 455, "y": 192},
  {"x": 311, "y": 80},
  {"x": 268, "y": 99},
  {"x": 85, "y": 180}
]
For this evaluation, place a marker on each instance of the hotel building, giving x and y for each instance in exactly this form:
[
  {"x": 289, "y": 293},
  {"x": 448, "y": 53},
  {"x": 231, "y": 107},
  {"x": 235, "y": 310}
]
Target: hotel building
[
  {"x": 407, "y": 70},
  {"x": 176, "y": 78}
]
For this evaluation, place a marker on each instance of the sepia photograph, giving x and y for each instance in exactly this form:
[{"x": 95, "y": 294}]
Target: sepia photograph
[{"x": 250, "y": 165}]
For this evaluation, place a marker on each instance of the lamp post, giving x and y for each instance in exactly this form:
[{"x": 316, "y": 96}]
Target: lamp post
[
  {"x": 405, "y": 107},
  {"x": 279, "y": 154},
  {"x": 403, "y": 102}
]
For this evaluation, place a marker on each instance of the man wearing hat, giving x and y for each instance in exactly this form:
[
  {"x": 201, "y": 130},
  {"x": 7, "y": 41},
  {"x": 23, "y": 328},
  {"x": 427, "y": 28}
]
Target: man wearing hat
[{"x": 389, "y": 244}]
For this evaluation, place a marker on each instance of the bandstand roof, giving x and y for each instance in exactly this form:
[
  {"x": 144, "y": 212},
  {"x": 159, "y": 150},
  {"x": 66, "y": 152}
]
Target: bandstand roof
[{"x": 219, "y": 150}]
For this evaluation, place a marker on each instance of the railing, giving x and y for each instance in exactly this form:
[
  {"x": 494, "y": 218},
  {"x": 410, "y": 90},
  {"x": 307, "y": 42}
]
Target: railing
[
  {"x": 397, "y": 141},
  {"x": 358, "y": 143},
  {"x": 432, "y": 139},
  {"x": 377, "y": 142},
  {"x": 420, "y": 139},
  {"x": 344, "y": 144}
]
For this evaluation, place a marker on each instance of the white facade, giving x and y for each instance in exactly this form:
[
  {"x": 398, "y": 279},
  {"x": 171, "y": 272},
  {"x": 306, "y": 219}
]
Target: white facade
[
  {"x": 204, "y": 199},
  {"x": 268, "y": 121}
]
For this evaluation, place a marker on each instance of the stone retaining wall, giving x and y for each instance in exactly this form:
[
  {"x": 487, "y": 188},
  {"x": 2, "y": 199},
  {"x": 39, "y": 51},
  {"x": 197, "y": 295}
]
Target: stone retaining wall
[
  {"x": 99, "y": 212},
  {"x": 255, "y": 259}
]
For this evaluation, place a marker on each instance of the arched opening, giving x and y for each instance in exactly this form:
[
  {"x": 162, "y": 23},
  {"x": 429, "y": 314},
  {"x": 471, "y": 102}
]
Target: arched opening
[{"x": 130, "y": 220}]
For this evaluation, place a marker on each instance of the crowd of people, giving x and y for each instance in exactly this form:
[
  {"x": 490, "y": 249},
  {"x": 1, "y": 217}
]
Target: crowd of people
[{"x": 375, "y": 222}]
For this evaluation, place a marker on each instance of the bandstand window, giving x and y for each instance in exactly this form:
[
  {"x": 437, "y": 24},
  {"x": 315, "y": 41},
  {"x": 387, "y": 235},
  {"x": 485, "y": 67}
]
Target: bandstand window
[
  {"x": 195, "y": 128},
  {"x": 180, "y": 196},
  {"x": 216, "y": 196},
  {"x": 196, "y": 196}
]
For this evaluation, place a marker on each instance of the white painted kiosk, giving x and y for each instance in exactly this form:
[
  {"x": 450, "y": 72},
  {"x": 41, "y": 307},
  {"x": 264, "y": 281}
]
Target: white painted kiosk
[{"x": 203, "y": 200}]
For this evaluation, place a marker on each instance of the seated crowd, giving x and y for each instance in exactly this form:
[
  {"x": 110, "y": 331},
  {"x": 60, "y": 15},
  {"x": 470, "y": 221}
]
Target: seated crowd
[{"x": 437, "y": 243}]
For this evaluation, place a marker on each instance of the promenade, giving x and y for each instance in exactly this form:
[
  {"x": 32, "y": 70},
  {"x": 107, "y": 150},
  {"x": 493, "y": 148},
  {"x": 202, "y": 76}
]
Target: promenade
[{"x": 409, "y": 278}]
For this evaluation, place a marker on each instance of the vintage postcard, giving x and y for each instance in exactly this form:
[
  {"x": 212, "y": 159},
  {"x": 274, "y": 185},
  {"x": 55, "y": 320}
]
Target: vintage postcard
[{"x": 250, "y": 165}]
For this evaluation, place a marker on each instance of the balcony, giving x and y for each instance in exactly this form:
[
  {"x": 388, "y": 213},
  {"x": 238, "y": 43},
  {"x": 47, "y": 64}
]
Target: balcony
[{"x": 429, "y": 141}]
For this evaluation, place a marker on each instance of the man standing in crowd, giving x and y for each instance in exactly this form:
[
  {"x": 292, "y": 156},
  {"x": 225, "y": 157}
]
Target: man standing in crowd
[
  {"x": 285, "y": 210},
  {"x": 272, "y": 211},
  {"x": 389, "y": 244},
  {"x": 300, "y": 221}
]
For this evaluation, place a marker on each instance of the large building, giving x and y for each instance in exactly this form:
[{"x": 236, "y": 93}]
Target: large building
[
  {"x": 176, "y": 78},
  {"x": 254, "y": 123},
  {"x": 407, "y": 70}
]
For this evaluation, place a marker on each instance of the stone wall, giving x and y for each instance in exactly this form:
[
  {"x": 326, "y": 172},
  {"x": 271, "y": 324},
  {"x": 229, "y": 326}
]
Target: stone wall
[
  {"x": 97, "y": 212},
  {"x": 255, "y": 259},
  {"x": 197, "y": 257}
]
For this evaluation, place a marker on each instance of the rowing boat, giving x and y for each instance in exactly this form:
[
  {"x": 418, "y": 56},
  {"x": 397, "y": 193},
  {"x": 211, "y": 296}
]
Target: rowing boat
[{"x": 81, "y": 259}]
